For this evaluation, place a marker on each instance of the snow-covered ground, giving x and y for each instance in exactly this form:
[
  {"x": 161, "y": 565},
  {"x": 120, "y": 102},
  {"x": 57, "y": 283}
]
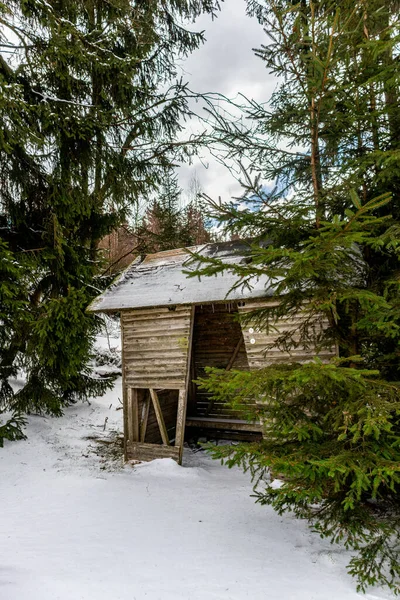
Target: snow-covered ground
[{"x": 78, "y": 525}]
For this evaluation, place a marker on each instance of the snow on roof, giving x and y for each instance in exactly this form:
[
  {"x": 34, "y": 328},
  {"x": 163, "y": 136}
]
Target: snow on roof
[{"x": 158, "y": 280}]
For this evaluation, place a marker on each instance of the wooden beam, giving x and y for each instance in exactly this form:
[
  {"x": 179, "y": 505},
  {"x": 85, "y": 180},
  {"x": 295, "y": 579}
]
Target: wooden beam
[
  {"x": 159, "y": 416},
  {"x": 155, "y": 383},
  {"x": 235, "y": 353},
  {"x": 124, "y": 389},
  {"x": 183, "y": 394},
  {"x": 180, "y": 422},
  {"x": 227, "y": 368},
  {"x": 145, "y": 418},
  {"x": 141, "y": 451},
  {"x": 231, "y": 424},
  {"x": 132, "y": 415}
]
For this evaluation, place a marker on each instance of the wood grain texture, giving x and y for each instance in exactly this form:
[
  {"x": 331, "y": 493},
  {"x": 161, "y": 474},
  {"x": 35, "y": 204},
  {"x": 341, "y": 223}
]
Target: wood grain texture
[
  {"x": 159, "y": 416},
  {"x": 217, "y": 342},
  {"x": 181, "y": 423},
  {"x": 141, "y": 451},
  {"x": 156, "y": 347},
  {"x": 260, "y": 346},
  {"x": 168, "y": 400},
  {"x": 183, "y": 396},
  {"x": 145, "y": 409},
  {"x": 231, "y": 424},
  {"x": 132, "y": 415},
  {"x": 124, "y": 397}
]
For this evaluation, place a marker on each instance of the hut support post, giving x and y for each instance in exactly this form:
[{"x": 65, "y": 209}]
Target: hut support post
[
  {"x": 132, "y": 410},
  {"x": 183, "y": 394},
  {"x": 180, "y": 422},
  {"x": 145, "y": 418}
]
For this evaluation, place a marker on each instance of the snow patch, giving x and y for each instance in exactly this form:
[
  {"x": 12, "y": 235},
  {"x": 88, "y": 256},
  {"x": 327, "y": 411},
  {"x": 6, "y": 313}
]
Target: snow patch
[
  {"x": 169, "y": 468},
  {"x": 78, "y": 525}
]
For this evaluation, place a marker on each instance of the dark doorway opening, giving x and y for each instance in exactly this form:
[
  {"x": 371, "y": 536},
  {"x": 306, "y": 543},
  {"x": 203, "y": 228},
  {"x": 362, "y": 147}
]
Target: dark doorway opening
[{"x": 217, "y": 342}]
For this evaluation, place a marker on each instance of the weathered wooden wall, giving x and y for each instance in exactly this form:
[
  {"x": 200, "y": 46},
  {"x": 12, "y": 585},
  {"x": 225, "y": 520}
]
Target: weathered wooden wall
[
  {"x": 155, "y": 347},
  {"x": 169, "y": 406},
  {"x": 257, "y": 341},
  {"x": 155, "y": 350},
  {"x": 216, "y": 335},
  {"x": 165, "y": 349}
]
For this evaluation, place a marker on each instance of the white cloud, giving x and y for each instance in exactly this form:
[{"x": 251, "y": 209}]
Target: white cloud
[{"x": 226, "y": 64}]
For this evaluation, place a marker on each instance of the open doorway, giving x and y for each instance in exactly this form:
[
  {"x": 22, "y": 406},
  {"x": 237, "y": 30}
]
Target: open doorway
[{"x": 217, "y": 342}]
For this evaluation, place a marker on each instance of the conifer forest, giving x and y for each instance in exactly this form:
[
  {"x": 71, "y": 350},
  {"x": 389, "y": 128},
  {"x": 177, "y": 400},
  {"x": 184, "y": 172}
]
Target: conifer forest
[{"x": 101, "y": 126}]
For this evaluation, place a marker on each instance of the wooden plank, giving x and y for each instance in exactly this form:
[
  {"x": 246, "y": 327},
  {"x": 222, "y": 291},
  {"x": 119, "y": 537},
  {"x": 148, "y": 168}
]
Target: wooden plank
[
  {"x": 180, "y": 422},
  {"x": 159, "y": 368},
  {"x": 160, "y": 381},
  {"x": 254, "y": 304},
  {"x": 147, "y": 383},
  {"x": 149, "y": 328},
  {"x": 142, "y": 362},
  {"x": 234, "y": 355},
  {"x": 181, "y": 309},
  {"x": 156, "y": 318},
  {"x": 221, "y": 434},
  {"x": 124, "y": 392},
  {"x": 167, "y": 334},
  {"x": 129, "y": 419},
  {"x": 133, "y": 415},
  {"x": 140, "y": 352},
  {"x": 218, "y": 423},
  {"x": 260, "y": 355},
  {"x": 145, "y": 418},
  {"x": 159, "y": 415},
  {"x": 162, "y": 343},
  {"x": 155, "y": 347},
  {"x": 145, "y": 452},
  {"x": 168, "y": 326},
  {"x": 159, "y": 330},
  {"x": 158, "y": 385},
  {"x": 144, "y": 357},
  {"x": 183, "y": 395},
  {"x": 163, "y": 374}
]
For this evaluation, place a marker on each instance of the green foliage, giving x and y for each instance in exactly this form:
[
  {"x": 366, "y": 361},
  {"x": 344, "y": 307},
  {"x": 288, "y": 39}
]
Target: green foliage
[
  {"x": 12, "y": 301},
  {"x": 90, "y": 110},
  {"x": 331, "y": 434},
  {"x": 167, "y": 224},
  {"x": 326, "y": 232},
  {"x": 57, "y": 376},
  {"x": 11, "y": 430}
]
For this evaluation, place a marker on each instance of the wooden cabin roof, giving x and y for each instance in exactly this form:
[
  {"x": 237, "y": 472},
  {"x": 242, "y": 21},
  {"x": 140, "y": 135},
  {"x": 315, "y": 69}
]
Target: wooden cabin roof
[{"x": 158, "y": 280}]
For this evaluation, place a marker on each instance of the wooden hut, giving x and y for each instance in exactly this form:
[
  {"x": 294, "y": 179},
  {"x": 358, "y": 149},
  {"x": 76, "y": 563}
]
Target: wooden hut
[{"x": 172, "y": 328}]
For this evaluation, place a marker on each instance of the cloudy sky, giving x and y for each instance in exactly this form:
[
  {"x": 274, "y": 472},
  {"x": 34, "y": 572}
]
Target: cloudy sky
[{"x": 226, "y": 64}]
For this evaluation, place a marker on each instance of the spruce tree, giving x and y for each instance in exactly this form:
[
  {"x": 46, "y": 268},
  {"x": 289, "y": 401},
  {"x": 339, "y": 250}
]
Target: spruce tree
[
  {"x": 195, "y": 227},
  {"x": 167, "y": 224},
  {"x": 329, "y": 140},
  {"x": 12, "y": 318},
  {"x": 161, "y": 226},
  {"x": 90, "y": 109}
]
